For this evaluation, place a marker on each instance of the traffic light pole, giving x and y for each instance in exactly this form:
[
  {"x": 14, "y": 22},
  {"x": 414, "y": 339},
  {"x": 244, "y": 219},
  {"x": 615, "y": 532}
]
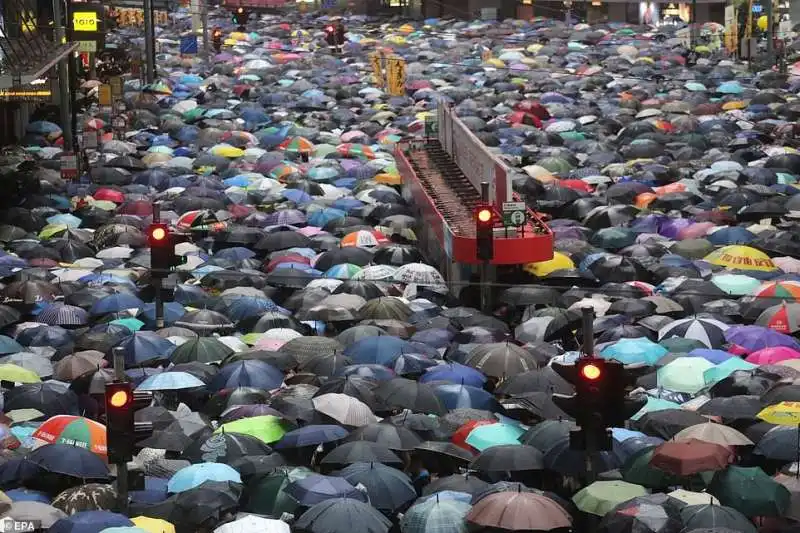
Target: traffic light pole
[
  {"x": 149, "y": 42},
  {"x": 486, "y": 288},
  {"x": 590, "y": 434},
  {"x": 122, "y": 467},
  {"x": 156, "y": 280},
  {"x": 587, "y": 330}
]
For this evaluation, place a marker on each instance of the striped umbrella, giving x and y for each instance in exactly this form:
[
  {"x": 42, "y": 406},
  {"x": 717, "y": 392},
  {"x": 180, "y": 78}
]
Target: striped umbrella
[
  {"x": 356, "y": 150},
  {"x": 59, "y": 314},
  {"x": 364, "y": 239},
  {"x": 283, "y": 171},
  {"x": 297, "y": 145},
  {"x": 75, "y": 431},
  {"x": 789, "y": 290},
  {"x": 708, "y": 331}
]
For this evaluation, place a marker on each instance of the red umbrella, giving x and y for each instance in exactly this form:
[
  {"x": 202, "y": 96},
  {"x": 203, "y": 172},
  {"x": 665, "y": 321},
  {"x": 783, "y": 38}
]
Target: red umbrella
[
  {"x": 109, "y": 195},
  {"x": 521, "y": 117},
  {"x": 289, "y": 258},
  {"x": 578, "y": 185},
  {"x": 139, "y": 208},
  {"x": 534, "y": 108},
  {"x": 691, "y": 456},
  {"x": 460, "y": 436}
]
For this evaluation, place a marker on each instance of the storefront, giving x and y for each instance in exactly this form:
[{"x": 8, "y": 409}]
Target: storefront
[{"x": 646, "y": 12}]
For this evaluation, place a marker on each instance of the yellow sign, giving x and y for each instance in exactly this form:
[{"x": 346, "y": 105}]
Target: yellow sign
[
  {"x": 104, "y": 94},
  {"x": 84, "y": 21},
  {"x": 396, "y": 76},
  {"x": 486, "y": 55},
  {"x": 376, "y": 59},
  {"x": 131, "y": 16},
  {"x": 24, "y": 94}
]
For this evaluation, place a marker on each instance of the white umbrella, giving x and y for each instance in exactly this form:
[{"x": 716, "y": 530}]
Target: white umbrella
[
  {"x": 254, "y": 524},
  {"x": 344, "y": 409}
]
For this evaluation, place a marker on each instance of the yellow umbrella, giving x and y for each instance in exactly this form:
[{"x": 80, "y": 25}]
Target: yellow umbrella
[
  {"x": 17, "y": 374},
  {"x": 534, "y": 48},
  {"x": 153, "y": 525},
  {"x": 406, "y": 28},
  {"x": 226, "y": 150},
  {"x": 389, "y": 179},
  {"x": 543, "y": 268},
  {"x": 494, "y": 62},
  {"x": 734, "y": 104},
  {"x": 51, "y": 230},
  {"x": 741, "y": 258},
  {"x": 693, "y": 498},
  {"x": 395, "y": 39},
  {"x": 782, "y": 414},
  {"x": 239, "y": 36}
]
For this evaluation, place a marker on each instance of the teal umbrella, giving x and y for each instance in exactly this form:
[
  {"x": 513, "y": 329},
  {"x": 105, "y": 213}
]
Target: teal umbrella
[
  {"x": 634, "y": 351},
  {"x": 736, "y": 284},
  {"x": 725, "y": 369},
  {"x": 483, "y": 437},
  {"x": 684, "y": 374},
  {"x": 655, "y": 404}
]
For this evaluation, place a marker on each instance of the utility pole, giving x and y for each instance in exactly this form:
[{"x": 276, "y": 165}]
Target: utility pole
[
  {"x": 122, "y": 466},
  {"x": 485, "y": 278},
  {"x": 206, "y": 42},
  {"x": 63, "y": 75},
  {"x": 149, "y": 42},
  {"x": 157, "y": 281},
  {"x": 770, "y": 29}
]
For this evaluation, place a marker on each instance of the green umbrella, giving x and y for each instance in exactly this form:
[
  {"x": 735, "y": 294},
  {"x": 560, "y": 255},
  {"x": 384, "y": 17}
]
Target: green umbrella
[
  {"x": 201, "y": 349},
  {"x": 194, "y": 114},
  {"x": 680, "y": 344},
  {"x": 556, "y": 165},
  {"x": 750, "y": 491},
  {"x": 602, "y": 496},
  {"x": 736, "y": 284},
  {"x": 267, "y": 496},
  {"x": 266, "y": 428},
  {"x": 637, "y": 470},
  {"x": 684, "y": 374}
]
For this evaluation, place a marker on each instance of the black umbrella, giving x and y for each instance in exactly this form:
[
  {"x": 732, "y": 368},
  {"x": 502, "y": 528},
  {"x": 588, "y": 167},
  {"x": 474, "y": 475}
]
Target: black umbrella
[
  {"x": 389, "y": 489},
  {"x": 409, "y": 394},
  {"x": 361, "y": 451},
  {"x": 224, "y": 448},
  {"x": 394, "y": 437},
  {"x": 668, "y": 422},
  {"x": 458, "y": 483},
  {"x": 509, "y": 458},
  {"x": 50, "y": 398},
  {"x": 339, "y": 515},
  {"x": 69, "y": 461}
]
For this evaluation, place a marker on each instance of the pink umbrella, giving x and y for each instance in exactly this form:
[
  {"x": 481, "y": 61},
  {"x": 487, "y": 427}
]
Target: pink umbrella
[
  {"x": 790, "y": 265},
  {"x": 352, "y": 136},
  {"x": 269, "y": 344},
  {"x": 695, "y": 231},
  {"x": 771, "y": 356},
  {"x": 310, "y": 231}
]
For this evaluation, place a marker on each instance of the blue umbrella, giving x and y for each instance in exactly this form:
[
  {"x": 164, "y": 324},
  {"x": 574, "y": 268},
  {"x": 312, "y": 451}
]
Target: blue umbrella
[
  {"x": 237, "y": 253},
  {"x": 297, "y": 196},
  {"x": 173, "y": 311},
  {"x": 90, "y": 522},
  {"x": 321, "y": 217},
  {"x": 9, "y": 345},
  {"x": 65, "y": 218},
  {"x": 247, "y": 373},
  {"x": 43, "y": 335},
  {"x": 191, "y": 295},
  {"x": 347, "y": 204},
  {"x": 245, "y": 307},
  {"x": 145, "y": 346},
  {"x": 170, "y": 381},
  {"x": 454, "y": 373},
  {"x": 313, "y": 435},
  {"x": 413, "y": 363},
  {"x": 465, "y": 397},
  {"x": 97, "y": 280},
  {"x": 60, "y": 314},
  {"x": 114, "y": 303},
  {"x": 27, "y": 495},
  {"x": 714, "y": 356},
  {"x": 382, "y": 350},
  {"x": 436, "y": 337},
  {"x": 195, "y": 475},
  {"x": 731, "y": 235},
  {"x": 43, "y": 127},
  {"x": 317, "y": 488},
  {"x": 69, "y": 461}
]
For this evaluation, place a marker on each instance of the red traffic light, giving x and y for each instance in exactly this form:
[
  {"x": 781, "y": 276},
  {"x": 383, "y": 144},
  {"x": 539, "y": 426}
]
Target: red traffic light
[
  {"x": 119, "y": 399},
  {"x": 240, "y": 10},
  {"x": 591, "y": 371},
  {"x": 484, "y": 215},
  {"x": 158, "y": 234}
]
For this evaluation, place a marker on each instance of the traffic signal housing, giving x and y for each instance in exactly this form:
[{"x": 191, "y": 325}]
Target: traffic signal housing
[
  {"x": 484, "y": 231},
  {"x": 601, "y": 399},
  {"x": 162, "y": 249},
  {"x": 240, "y": 16},
  {"x": 122, "y": 430}
]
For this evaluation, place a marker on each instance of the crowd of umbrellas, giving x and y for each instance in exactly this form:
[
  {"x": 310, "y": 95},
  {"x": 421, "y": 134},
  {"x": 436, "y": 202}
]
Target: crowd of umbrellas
[{"x": 315, "y": 375}]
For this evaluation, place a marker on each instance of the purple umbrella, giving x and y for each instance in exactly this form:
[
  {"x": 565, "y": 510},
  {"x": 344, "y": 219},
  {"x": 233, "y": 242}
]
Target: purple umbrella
[{"x": 749, "y": 339}]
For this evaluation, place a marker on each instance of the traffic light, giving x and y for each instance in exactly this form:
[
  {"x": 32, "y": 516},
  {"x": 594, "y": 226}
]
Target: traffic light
[
  {"x": 601, "y": 399},
  {"x": 240, "y": 16},
  {"x": 162, "y": 249},
  {"x": 216, "y": 40},
  {"x": 484, "y": 230},
  {"x": 122, "y": 431}
]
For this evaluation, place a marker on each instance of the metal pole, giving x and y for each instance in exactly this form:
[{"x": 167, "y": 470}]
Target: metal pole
[
  {"x": 149, "y": 42},
  {"x": 73, "y": 104},
  {"x": 693, "y": 32},
  {"x": 486, "y": 288},
  {"x": 206, "y": 42},
  {"x": 156, "y": 282},
  {"x": 770, "y": 29},
  {"x": 122, "y": 468},
  {"x": 63, "y": 75},
  {"x": 587, "y": 329}
]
